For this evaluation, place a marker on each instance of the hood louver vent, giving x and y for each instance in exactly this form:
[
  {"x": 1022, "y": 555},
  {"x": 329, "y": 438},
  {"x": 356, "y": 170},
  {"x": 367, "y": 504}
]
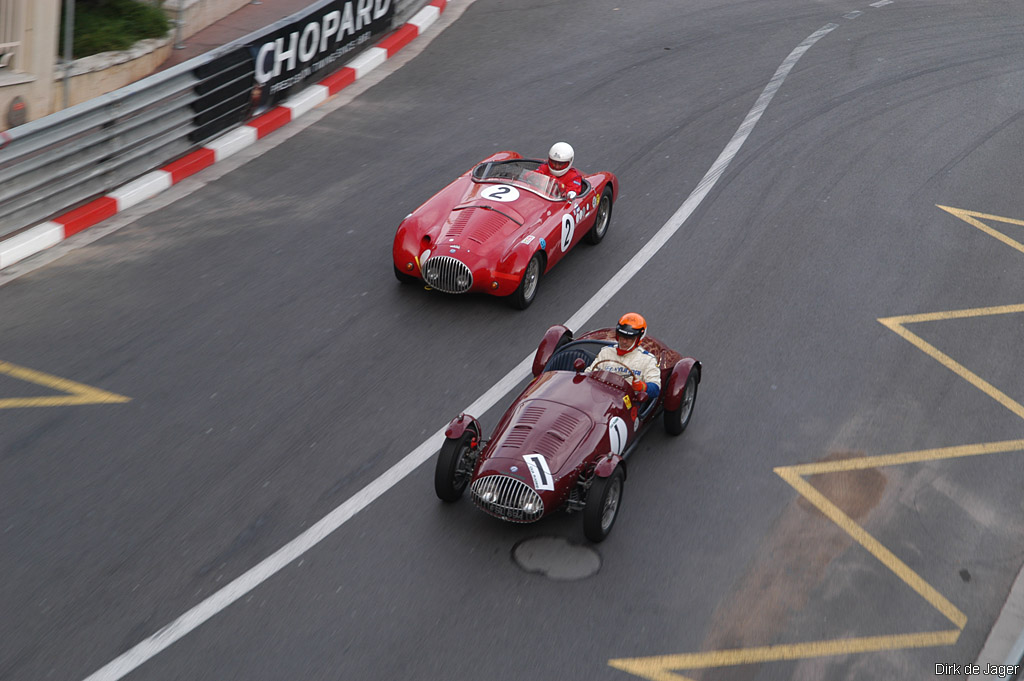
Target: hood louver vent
[
  {"x": 460, "y": 223},
  {"x": 486, "y": 225},
  {"x": 565, "y": 424},
  {"x": 516, "y": 437},
  {"x": 531, "y": 415},
  {"x": 554, "y": 439},
  {"x": 551, "y": 441}
]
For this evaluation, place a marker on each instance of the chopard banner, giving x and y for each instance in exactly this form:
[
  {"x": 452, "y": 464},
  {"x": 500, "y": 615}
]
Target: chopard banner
[
  {"x": 310, "y": 46},
  {"x": 254, "y": 73}
]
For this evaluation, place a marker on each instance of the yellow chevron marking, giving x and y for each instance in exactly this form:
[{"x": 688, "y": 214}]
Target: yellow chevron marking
[
  {"x": 974, "y": 218},
  {"x": 74, "y": 393},
  {"x": 898, "y": 325},
  {"x": 663, "y": 667},
  {"x": 660, "y": 668}
]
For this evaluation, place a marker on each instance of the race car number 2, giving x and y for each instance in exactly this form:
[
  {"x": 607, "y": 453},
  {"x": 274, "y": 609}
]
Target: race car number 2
[
  {"x": 501, "y": 192},
  {"x": 568, "y": 227}
]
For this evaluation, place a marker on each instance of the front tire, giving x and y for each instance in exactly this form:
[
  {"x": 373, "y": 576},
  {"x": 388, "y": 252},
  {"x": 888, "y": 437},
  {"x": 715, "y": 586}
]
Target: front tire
[
  {"x": 405, "y": 278},
  {"x": 676, "y": 421},
  {"x": 529, "y": 284},
  {"x": 602, "y": 508},
  {"x": 603, "y": 219},
  {"x": 453, "y": 470}
]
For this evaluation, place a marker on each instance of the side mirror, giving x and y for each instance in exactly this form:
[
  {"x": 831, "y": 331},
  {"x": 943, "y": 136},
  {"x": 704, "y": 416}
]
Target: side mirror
[{"x": 579, "y": 364}]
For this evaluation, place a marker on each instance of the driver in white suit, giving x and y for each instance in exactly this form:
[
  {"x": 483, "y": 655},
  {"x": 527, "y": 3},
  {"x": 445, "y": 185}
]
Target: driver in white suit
[{"x": 645, "y": 374}]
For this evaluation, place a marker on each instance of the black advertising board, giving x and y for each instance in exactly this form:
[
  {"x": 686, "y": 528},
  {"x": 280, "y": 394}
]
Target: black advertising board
[
  {"x": 306, "y": 50},
  {"x": 251, "y": 75}
]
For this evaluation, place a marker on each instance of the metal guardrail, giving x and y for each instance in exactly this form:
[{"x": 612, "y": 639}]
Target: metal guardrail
[{"x": 60, "y": 161}]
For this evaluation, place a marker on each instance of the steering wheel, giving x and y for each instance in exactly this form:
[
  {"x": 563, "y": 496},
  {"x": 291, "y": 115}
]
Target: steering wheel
[{"x": 629, "y": 371}]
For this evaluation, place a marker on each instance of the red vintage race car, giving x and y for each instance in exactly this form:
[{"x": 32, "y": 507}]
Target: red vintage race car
[
  {"x": 564, "y": 442},
  {"x": 499, "y": 227}
]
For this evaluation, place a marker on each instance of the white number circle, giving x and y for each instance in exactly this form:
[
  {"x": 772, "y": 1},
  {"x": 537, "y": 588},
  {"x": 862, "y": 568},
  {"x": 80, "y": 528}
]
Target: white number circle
[
  {"x": 501, "y": 192},
  {"x": 568, "y": 227},
  {"x": 617, "y": 434}
]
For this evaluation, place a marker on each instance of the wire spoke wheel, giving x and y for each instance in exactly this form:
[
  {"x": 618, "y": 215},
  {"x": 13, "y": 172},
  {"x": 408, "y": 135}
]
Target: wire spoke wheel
[
  {"x": 602, "y": 220},
  {"x": 602, "y": 505},
  {"x": 611, "y": 505},
  {"x": 531, "y": 276},
  {"x": 677, "y": 420},
  {"x": 528, "y": 285}
]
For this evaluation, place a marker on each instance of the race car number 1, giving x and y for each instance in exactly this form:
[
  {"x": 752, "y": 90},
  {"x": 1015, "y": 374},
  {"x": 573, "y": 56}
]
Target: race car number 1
[
  {"x": 568, "y": 227},
  {"x": 617, "y": 434}
]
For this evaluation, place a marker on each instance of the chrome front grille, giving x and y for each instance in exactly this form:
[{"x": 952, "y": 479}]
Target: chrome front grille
[
  {"x": 507, "y": 498},
  {"x": 447, "y": 274}
]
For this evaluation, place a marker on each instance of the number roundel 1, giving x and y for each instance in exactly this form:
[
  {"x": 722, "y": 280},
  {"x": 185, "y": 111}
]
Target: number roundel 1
[
  {"x": 500, "y": 192},
  {"x": 618, "y": 433}
]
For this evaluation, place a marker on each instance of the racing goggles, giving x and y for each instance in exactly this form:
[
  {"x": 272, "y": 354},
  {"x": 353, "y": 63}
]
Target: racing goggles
[
  {"x": 558, "y": 165},
  {"x": 627, "y": 332}
]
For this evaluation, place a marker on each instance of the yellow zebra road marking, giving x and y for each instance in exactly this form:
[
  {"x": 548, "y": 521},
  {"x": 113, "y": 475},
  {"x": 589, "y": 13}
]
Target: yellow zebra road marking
[
  {"x": 74, "y": 393},
  {"x": 660, "y": 668},
  {"x": 898, "y": 326},
  {"x": 974, "y": 218},
  {"x": 667, "y": 667}
]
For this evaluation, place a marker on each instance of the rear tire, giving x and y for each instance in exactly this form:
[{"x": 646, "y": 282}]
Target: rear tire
[
  {"x": 676, "y": 421},
  {"x": 529, "y": 284},
  {"x": 602, "y": 507},
  {"x": 452, "y": 475},
  {"x": 603, "y": 219}
]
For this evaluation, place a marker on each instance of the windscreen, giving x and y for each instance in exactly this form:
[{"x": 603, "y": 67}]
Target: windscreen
[{"x": 520, "y": 173}]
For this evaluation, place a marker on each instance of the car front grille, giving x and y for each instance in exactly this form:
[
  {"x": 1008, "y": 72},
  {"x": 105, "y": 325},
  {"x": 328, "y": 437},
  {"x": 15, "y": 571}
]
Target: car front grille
[
  {"x": 447, "y": 274},
  {"x": 507, "y": 498}
]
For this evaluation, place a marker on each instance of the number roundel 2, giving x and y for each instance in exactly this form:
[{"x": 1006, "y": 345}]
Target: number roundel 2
[
  {"x": 500, "y": 192},
  {"x": 568, "y": 227}
]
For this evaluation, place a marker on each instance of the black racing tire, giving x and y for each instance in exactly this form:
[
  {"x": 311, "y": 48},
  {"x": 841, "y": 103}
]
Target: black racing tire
[
  {"x": 405, "y": 278},
  {"x": 602, "y": 508},
  {"x": 449, "y": 481},
  {"x": 529, "y": 284},
  {"x": 677, "y": 420},
  {"x": 603, "y": 220}
]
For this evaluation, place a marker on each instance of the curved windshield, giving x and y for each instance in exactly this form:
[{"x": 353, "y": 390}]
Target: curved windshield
[{"x": 520, "y": 172}]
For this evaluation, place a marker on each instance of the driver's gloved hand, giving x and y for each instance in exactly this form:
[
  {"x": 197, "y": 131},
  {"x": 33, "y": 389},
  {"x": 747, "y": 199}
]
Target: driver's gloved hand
[{"x": 639, "y": 386}]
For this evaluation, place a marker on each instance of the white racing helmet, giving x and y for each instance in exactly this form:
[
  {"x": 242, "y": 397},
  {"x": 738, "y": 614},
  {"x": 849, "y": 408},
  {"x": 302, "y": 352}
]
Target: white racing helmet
[{"x": 560, "y": 158}]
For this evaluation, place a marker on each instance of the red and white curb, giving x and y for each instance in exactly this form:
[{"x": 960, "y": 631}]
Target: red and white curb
[{"x": 34, "y": 239}]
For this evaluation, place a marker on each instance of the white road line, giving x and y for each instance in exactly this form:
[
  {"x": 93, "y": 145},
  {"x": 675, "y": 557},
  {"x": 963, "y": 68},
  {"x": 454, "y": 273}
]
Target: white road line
[
  {"x": 703, "y": 187},
  {"x": 179, "y": 628}
]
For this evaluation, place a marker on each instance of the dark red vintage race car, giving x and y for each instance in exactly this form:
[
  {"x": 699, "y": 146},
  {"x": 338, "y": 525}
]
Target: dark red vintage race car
[
  {"x": 499, "y": 227},
  {"x": 564, "y": 442}
]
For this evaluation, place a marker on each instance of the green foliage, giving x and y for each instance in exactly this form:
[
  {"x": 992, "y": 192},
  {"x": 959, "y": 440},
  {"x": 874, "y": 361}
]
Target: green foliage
[{"x": 104, "y": 25}]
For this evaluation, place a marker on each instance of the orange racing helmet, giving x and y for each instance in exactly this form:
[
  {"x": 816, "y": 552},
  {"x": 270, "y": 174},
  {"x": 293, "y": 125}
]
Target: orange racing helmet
[{"x": 631, "y": 329}]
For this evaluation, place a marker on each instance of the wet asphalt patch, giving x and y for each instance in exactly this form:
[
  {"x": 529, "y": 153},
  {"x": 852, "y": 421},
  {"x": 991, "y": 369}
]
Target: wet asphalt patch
[{"x": 556, "y": 558}]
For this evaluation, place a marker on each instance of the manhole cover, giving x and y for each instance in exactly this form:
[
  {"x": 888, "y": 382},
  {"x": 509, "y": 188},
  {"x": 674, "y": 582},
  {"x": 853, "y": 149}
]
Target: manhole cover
[{"x": 556, "y": 558}]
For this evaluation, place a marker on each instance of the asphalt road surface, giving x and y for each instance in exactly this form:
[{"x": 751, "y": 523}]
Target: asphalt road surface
[{"x": 275, "y": 368}]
